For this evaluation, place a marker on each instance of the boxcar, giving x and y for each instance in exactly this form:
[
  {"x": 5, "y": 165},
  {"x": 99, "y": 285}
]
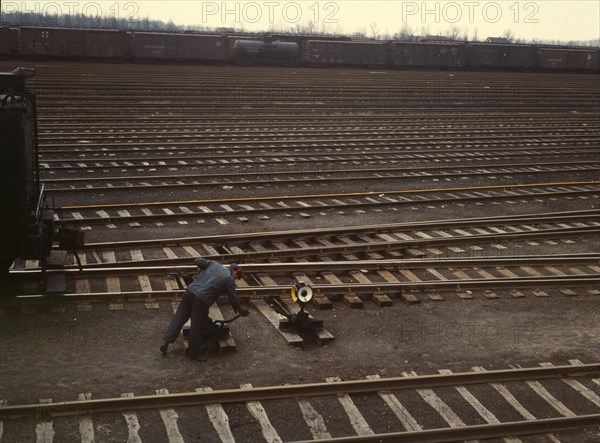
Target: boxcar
[
  {"x": 428, "y": 55},
  {"x": 179, "y": 47},
  {"x": 346, "y": 53},
  {"x": 9, "y": 41},
  {"x": 62, "y": 42},
  {"x": 569, "y": 59},
  {"x": 485, "y": 55}
]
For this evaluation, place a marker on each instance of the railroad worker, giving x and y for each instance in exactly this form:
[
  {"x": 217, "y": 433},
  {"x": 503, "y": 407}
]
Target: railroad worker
[{"x": 214, "y": 280}]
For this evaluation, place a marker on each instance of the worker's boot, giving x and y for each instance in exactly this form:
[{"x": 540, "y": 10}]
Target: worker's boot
[{"x": 164, "y": 347}]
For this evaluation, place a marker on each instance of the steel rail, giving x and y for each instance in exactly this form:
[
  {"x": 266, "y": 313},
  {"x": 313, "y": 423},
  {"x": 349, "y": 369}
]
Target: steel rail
[
  {"x": 265, "y": 113},
  {"x": 356, "y": 95},
  {"x": 194, "y": 145},
  {"x": 275, "y": 177},
  {"x": 505, "y": 188},
  {"x": 344, "y": 249},
  {"x": 188, "y": 95},
  {"x": 336, "y": 132},
  {"x": 200, "y": 117},
  {"x": 278, "y": 157},
  {"x": 404, "y": 244},
  {"x": 267, "y": 116},
  {"x": 391, "y": 172},
  {"x": 225, "y": 213},
  {"x": 130, "y": 121},
  {"x": 179, "y": 114},
  {"x": 405, "y": 148},
  {"x": 165, "y": 88},
  {"x": 472, "y": 432},
  {"x": 373, "y": 104},
  {"x": 379, "y": 103},
  {"x": 570, "y": 216},
  {"x": 372, "y": 148},
  {"x": 55, "y": 122},
  {"x": 91, "y": 406},
  {"x": 305, "y": 124},
  {"x": 334, "y": 290},
  {"x": 370, "y": 288},
  {"x": 229, "y": 88},
  {"x": 160, "y": 266},
  {"x": 546, "y": 124},
  {"x": 51, "y": 137}
]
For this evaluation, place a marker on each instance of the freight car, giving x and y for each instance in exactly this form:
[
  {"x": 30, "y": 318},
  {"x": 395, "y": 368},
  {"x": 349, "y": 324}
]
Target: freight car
[
  {"x": 27, "y": 228},
  {"x": 9, "y": 41},
  {"x": 346, "y": 53},
  {"x": 500, "y": 56},
  {"x": 75, "y": 43},
  {"x": 26, "y": 224},
  {"x": 428, "y": 55},
  {"x": 571, "y": 59},
  {"x": 157, "y": 46},
  {"x": 266, "y": 51}
]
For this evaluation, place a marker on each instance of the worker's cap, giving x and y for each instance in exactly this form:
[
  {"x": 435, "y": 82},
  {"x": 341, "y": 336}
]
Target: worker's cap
[{"x": 235, "y": 267}]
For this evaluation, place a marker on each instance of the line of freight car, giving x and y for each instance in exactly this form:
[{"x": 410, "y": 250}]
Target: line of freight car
[
  {"x": 451, "y": 55},
  {"x": 117, "y": 45},
  {"x": 290, "y": 49},
  {"x": 141, "y": 46}
]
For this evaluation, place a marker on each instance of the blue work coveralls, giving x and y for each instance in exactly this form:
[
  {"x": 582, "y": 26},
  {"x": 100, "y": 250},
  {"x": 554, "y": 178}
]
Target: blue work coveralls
[{"x": 213, "y": 281}]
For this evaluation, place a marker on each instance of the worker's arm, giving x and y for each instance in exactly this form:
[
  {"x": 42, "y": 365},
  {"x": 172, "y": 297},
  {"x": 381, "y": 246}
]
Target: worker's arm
[
  {"x": 202, "y": 263},
  {"x": 235, "y": 302}
]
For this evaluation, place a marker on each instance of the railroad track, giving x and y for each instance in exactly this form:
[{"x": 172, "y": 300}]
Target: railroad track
[
  {"x": 397, "y": 260},
  {"x": 478, "y": 404},
  {"x": 256, "y": 120},
  {"x": 83, "y": 87},
  {"x": 143, "y": 166},
  {"x": 92, "y": 180},
  {"x": 382, "y": 281},
  {"x": 140, "y": 157},
  {"x": 223, "y": 210},
  {"x": 340, "y": 132},
  {"x": 361, "y": 87},
  {"x": 411, "y": 240},
  {"x": 288, "y": 141},
  {"x": 57, "y": 133},
  {"x": 53, "y": 121}
]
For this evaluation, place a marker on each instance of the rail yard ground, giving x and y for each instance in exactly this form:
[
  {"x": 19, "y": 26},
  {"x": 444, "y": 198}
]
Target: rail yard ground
[{"x": 206, "y": 145}]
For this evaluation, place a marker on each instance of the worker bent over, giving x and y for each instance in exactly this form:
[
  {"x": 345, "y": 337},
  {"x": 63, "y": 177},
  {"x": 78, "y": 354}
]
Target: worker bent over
[{"x": 214, "y": 280}]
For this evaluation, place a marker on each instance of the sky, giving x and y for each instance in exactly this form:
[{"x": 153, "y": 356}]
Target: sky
[{"x": 565, "y": 20}]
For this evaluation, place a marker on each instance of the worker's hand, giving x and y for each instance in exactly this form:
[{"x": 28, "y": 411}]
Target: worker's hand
[{"x": 245, "y": 312}]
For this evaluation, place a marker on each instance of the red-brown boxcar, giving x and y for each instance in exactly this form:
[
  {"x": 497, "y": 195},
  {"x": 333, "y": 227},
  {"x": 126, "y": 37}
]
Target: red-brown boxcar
[
  {"x": 428, "y": 54},
  {"x": 9, "y": 41},
  {"x": 503, "y": 56},
  {"x": 348, "y": 53},
  {"x": 190, "y": 47},
  {"x": 62, "y": 42},
  {"x": 569, "y": 59},
  {"x": 107, "y": 44}
]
